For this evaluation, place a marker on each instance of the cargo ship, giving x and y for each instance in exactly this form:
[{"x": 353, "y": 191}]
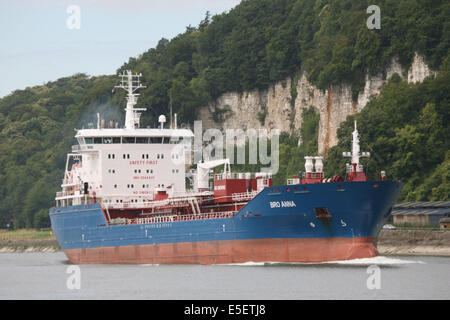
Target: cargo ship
[{"x": 129, "y": 196}]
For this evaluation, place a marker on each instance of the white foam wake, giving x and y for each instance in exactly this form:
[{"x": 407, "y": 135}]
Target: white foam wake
[{"x": 379, "y": 260}]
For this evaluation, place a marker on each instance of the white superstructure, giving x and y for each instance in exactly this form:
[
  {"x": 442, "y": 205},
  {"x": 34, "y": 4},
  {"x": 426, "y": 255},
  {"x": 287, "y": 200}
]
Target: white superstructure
[{"x": 126, "y": 165}]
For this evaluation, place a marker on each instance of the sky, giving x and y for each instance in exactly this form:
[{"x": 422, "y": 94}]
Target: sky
[{"x": 43, "y": 40}]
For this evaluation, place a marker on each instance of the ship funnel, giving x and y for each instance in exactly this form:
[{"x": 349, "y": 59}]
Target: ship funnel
[
  {"x": 309, "y": 164},
  {"x": 318, "y": 164}
]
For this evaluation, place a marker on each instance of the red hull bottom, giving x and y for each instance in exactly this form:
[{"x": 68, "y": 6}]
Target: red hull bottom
[{"x": 230, "y": 251}]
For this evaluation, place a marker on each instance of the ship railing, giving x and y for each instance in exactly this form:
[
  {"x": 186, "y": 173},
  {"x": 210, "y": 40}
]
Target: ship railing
[
  {"x": 72, "y": 193},
  {"x": 244, "y": 195},
  {"x": 228, "y": 175},
  {"x": 241, "y": 175},
  {"x": 158, "y": 203},
  {"x": 175, "y": 218},
  {"x": 190, "y": 193}
]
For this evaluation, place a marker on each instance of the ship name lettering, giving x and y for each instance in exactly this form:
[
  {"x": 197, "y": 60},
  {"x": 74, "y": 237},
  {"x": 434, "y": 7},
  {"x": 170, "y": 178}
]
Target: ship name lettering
[
  {"x": 288, "y": 204},
  {"x": 274, "y": 204},
  {"x": 283, "y": 204}
]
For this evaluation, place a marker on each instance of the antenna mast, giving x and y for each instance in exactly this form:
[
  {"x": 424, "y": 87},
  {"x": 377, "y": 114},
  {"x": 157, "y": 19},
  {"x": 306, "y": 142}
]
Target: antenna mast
[
  {"x": 130, "y": 83},
  {"x": 355, "y": 154}
]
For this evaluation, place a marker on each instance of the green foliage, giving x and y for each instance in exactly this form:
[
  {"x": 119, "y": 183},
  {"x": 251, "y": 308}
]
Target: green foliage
[
  {"x": 309, "y": 131},
  {"x": 221, "y": 114},
  {"x": 405, "y": 129},
  {"x": 262, "y": 115},
  {"x": 36, "y": 132}
]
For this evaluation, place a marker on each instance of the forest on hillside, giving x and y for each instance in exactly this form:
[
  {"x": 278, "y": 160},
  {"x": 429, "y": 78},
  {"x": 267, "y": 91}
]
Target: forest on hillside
[{"x": 250, "y": 47}]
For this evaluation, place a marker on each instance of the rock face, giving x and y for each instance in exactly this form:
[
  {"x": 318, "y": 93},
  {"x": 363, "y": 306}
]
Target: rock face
[{"x": 274, "y": 109}]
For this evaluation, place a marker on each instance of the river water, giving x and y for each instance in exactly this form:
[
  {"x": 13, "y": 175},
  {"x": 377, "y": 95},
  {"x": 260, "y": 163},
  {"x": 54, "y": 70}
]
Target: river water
[{"x": 51, "y": 276}]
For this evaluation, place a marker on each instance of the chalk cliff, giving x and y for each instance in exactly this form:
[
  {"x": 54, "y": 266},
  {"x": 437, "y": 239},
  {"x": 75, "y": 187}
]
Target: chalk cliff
[{"x": 274, "y": 109}]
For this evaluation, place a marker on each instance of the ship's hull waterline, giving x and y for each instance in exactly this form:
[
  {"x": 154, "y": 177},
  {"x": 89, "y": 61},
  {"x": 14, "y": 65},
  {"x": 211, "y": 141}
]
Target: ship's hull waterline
[{"x": 230, "y": 251}]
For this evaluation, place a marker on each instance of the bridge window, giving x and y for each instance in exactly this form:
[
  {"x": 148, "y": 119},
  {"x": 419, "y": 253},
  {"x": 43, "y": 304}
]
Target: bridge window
[
  {"x": 128, "y": 140},
  {"x": 97, "y": 140},
  {"x": 107, "y": 140},
  {"x": 156, "y": 140},
  {"x": 175, "y": 140},
  {"x": 88, "y": 140},
  {"x": 141, "y": 140}
]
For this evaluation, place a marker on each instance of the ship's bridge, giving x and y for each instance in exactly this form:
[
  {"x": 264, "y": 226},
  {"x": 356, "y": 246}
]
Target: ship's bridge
[
  {"x": 129, "y": 164},
  {"x": 114, "y": 135},
  {"x": 89, "y": 137}
]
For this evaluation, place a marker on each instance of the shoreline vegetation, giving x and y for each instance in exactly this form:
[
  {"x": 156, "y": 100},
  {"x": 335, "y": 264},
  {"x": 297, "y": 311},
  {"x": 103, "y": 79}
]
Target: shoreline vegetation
[
  {"x": 414, "y": 241},
  {"x": 408, "y": 242},
  {"x": 28, "y": 240}
]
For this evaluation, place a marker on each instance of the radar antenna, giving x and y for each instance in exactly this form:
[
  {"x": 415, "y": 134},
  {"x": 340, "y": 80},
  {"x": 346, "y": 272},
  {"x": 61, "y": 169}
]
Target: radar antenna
[{"x": 130, "y": 83}]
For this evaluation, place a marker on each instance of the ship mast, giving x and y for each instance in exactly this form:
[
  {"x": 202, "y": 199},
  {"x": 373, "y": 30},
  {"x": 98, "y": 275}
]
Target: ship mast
[
  {"x": 355, "y": 168},
  {"x": 130, "y": 83}
]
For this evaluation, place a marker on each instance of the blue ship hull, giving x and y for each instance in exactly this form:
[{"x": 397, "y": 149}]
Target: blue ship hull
[{"x": 279, "y": 224}]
